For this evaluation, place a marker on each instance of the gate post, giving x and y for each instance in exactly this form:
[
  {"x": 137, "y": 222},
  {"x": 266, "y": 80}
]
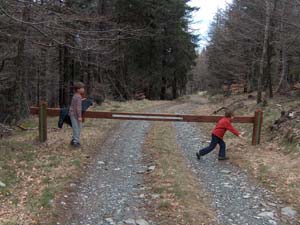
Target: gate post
[
  {"x": 257, "y": 127},
  {"x": 43, "y": 122}
]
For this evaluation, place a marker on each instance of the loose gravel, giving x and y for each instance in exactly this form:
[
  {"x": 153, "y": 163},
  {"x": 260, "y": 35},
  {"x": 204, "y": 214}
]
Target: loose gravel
[
  {"x": 235, "y": 197},
  {"x": 112, "y": 191}
]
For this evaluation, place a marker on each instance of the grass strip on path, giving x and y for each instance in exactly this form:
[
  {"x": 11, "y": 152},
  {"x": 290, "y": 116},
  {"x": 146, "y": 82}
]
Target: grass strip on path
[{"x": 176, "y": 194}]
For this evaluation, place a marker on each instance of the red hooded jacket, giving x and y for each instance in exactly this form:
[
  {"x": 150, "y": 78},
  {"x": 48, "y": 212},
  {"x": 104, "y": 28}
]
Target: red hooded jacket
[{"x": 222, "y": 126}]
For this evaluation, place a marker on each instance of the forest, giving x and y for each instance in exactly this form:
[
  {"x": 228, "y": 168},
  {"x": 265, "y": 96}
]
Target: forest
[
  {"x": 126, "y": 48},
  {"x": 118, "y": 48},
  {"x": 255, "y": 43},
  {"x": 162, "y": 74}
]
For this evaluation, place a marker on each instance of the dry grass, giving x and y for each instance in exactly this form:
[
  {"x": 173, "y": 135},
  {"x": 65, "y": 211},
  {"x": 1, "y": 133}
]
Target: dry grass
[
  {"x": 274, "y": 164},
  {"x": 36, "y": 175},
  {"x": 181, "y": 202}
]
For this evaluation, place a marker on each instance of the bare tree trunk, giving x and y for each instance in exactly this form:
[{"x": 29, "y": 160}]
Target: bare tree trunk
[
  {"x": 283, "y": 64},
  {"x": 271, "y": 51},
  {"x": 252, "y": 76},
  {"x": 174, "y": 88},
  {"x": 163, "y": 89},
  {"x": 268, "y": 72},
  {"x": 20, "y": 100},
  {"x": 265, "y": 48},
  {"x": 163, "y": 83},
  {"x": 283, "y": 83},
  {"x": 66, "y": 76},
  {"x": 90, "y": 84},
  {"x": 43, "y": 75},
  {"x": 102, "y": 7},
  {"x": 61, "y": 76}
]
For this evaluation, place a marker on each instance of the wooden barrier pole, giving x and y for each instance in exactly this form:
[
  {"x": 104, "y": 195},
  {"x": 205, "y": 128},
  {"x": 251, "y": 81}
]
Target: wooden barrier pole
[
  {"x": 257, "y": 127},
  {"x": 43, "y": 112},
  {"x": 43, "y": 122},
  {"x": 54, "y": 112}
]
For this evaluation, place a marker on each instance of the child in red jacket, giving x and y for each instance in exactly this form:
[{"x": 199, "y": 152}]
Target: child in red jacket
[{"x": 217, "y": 136}]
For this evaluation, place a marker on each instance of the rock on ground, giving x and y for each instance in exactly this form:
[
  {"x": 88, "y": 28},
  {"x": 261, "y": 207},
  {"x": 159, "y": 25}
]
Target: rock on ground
[
  {"x": 289, "y": 212},
  {"x": 2, "y": 184}
]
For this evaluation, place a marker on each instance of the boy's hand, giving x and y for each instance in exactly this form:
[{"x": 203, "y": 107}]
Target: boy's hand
[
  {"x": 242, "y": 137},
  {"x": 80, "y": 119}
]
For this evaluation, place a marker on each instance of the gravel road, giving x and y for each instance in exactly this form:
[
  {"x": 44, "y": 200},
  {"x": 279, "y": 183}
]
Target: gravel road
[
  {"x": 113, "y": 194},
  {"x": 236, "y": 198},
  {"x": 113, "y": 190}
]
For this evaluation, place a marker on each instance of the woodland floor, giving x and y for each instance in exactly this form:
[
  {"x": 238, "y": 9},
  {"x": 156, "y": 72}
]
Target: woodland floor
[{"x": 146, "y": 173}]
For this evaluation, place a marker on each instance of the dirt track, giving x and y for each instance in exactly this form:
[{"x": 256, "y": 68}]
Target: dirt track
[
  {"x": 236, "y": 198},
  {"x": 113, "y": 191}
]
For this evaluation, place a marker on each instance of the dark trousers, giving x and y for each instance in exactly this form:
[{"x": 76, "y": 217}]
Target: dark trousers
[{"x": 214, "y": 142}]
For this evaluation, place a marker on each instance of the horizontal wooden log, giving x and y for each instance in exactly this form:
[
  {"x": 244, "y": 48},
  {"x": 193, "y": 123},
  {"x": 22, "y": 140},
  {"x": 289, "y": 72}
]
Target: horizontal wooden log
[{"x": 53, "y": 112}]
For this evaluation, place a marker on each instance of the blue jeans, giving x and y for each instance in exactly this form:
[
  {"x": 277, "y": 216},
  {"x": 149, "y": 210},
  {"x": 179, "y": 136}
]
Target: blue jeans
[
  {"x": 76, "y": 125},
  {"x": 214, "y": 142}
]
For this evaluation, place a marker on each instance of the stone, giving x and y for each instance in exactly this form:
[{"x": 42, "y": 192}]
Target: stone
[
  {"x": 289, "y": 212},
  {"x": 129, "y": 221},
  {"x": 141, "y": 222},
  {"x": 2, "y": 184},
  {"x": 263, "y": 204},
  {"x": 101, "y": 162},
  {"x": 151, "y": 168},
  {"x": 227, "y": 185},
  {"x": 110, "y": 221},
  {"x": 155, "y": 196},
  {"x": 272, "y": 222},
  {"x": 272, "y": 204},
  {"x": 63, "y": 203},
  {"x": 246, "y": 196},
  {"x": 225, "y": 171},
  {"x": 142, "y": 196},
  {"x": 267, "y": 214}
]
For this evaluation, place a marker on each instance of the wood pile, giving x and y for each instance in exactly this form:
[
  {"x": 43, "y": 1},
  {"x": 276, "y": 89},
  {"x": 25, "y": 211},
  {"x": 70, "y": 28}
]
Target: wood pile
[
  {"x": 238, "y": 104},
  {"x": 296, "y": 86},
  {"x": 140, "y": 96},
  {"x": 288, "y": 125},
  {"x": 236, "y": 88}
]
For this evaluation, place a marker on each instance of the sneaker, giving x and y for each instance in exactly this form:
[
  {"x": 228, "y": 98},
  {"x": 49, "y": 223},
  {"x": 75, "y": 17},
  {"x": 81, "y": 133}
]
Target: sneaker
[
  {"x": 72, "y": 142},
  {"x": 223, "y": 158},
  {"x": 76, "y": 145},
  {"x": 198, "y": 155}
]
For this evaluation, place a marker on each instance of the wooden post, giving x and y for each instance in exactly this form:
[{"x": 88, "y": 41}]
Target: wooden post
[
  {"x": 43, "y": 122},
  {"x": 257, "y": 127}
]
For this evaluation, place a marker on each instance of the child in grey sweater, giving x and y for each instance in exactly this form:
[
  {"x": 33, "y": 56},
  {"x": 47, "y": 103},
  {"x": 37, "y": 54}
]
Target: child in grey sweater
[{"x": 75, "y": 113}]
